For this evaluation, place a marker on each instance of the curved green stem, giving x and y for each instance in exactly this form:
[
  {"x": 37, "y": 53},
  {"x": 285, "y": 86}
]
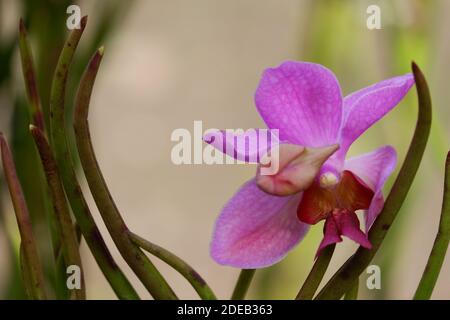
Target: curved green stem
[
  {"x": 80, "y": 209},
  {"x": 344, "y": 278},
  {"x": 69, "y": 245},
  {"x": 243, "y": 283},
  {"x": 32, "y": 268},
  {"x": 29, "y": 76},
  {"x": 132, "y": 254},
  {"x": 440, "y": 246},
  {"x": 37, "y": 118},
  {"x": 314, "y": 278},
  {"x": 352, "y": 294},
  {"x": 197, "y": 282}
]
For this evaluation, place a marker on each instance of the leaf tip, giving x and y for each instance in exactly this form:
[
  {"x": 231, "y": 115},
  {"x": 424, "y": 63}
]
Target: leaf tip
[
  {"x": 22, "y": 28},
  {"x": 416, "y": 70},
  {"x": 32, "y": 128},
  {"x": 3, "y": 145},
  {"x": 37, "y": 134},
  {"x": 83, "y": 22}
]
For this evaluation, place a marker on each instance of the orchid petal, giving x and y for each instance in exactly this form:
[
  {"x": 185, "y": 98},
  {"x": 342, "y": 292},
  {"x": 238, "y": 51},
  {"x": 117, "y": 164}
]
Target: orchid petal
[
  {"x": 302, "y": 100},
  {"x": 342, "y": 222},
  {"x": 349, "y": 226},
  {"x": 255, "y": 229},
  {"x": 298, "y": 166},
  {"x": 248, "y": 146},
  {"x": 365, "y": 107},
  {"x": 373, "y": 169},
  {"x": 331, "y": 234}
]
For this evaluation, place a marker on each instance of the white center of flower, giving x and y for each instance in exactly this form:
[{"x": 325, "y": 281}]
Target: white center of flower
[{"x": 328, "y": 179}]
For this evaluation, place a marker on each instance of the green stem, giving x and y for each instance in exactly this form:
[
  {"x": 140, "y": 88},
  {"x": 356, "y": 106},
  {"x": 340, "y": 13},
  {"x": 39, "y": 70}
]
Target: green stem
[
  {"x": 35, "y": 111},
  {"x": 344, "y": 278},
  {"x": 440, "y": 246},
  {"x": 35, "y": 285},
  {"x": 80, "y": 209},
  {"x": 14, "y": 289},
  {"x": 69, "y": 245},
  {"x": 132, "y": 254},
  {"x": 29, "y": 76},
  {"x": 24, "y": 269},
  {"x": 192, "y": 276},
  {"x": 314, "y": 278},
  {"x": 243, "y": 283},
  {"x": 352, "y": 294},
  {"x": 60, "y": 263}
]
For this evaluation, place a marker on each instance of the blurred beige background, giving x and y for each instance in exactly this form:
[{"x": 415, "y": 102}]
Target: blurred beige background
[{"x": 173, "y": 62}]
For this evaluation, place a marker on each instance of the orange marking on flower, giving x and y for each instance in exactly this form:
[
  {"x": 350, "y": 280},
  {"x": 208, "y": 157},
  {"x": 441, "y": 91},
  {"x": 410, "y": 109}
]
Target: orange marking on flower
[{"x": 318, "y": 202}]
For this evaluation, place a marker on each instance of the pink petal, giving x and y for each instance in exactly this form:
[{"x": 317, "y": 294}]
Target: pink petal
[
  {"x": 373, "y": 169},
  {"x": 349, "y": 226},
  {"x": 255, "y": 229},
  {"x": 249, "y": 146},
  {"x": 331, "y": 234},
  {"x": 302, "y": 100},
  {"x": 365, "y": 107},
  {"x": 342, "y": 222}
]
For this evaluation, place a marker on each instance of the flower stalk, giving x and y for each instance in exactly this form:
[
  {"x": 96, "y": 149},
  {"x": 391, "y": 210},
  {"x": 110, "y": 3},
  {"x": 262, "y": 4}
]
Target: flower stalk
[
  {"x": 352, "y": 294},
  {"x": 316, "y": 274},
  {"x": 192, "y": 276},
  {"x": 69, "y": 241},
  {"x": 346, "y": 276},
  {"x": 440, "y": 246},
  {"x": 32, "y": 268},
  {"x": 25, "y": 272},
  {"x": 80, "y": 209},
  {"x": 136, "y": 259},
  {"x": 242, "y": 284}
]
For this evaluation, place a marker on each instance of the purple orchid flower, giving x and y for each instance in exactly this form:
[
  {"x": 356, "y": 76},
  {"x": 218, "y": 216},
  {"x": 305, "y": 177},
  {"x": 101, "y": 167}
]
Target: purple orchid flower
[{"x": 269, "y": 215}]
